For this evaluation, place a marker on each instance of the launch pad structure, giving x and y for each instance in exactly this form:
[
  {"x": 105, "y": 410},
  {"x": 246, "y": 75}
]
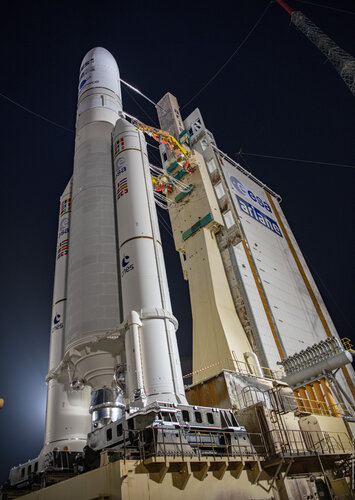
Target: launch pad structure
[{"x": 270, "y": 409}]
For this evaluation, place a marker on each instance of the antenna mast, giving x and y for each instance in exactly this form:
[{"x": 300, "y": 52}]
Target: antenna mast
[{"x": 343, "y": 62}]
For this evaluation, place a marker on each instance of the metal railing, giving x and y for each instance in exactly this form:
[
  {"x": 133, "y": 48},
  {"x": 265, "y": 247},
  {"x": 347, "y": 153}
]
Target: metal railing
[
  {"x": 174, "y": 443},
  {"x": 323, "y": 408},
  {"x": 241, "y": 367},
  {"x": 348, "y": 346},
  {"x": 283, "y": 403},
  {"x": 307, "y": 443},
  {"x": 286, "y": 402},
  {"x": 177, "y": 443}
]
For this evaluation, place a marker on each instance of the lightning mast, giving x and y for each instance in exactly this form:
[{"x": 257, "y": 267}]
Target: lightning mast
[{"x": 343, "y": 62}]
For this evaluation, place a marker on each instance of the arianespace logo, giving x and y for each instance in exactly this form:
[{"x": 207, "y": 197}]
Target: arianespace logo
[
  {"x": 247, "y": 193},
  {"x": 259, "y": 216},
  {"x": 127, "y": 266}
]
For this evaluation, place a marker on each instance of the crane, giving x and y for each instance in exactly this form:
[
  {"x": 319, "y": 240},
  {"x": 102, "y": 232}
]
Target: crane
[{"x": 343, "y": 62}]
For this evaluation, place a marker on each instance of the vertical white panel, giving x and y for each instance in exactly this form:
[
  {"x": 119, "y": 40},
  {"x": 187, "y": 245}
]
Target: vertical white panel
[{"x": 290, "y": 304}]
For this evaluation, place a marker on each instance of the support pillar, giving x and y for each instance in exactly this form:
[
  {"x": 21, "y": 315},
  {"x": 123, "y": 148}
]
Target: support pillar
[
  {"x": 299, "y": 401},
  {"x": 329, "y": 397},
  {"x": 304, "y": 397},
  {"x": 320, "y": 397},
  {"x": 312, "y": 399}
]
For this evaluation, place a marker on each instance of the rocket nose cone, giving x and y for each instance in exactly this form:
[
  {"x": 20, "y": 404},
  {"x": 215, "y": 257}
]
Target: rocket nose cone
[
  {"x": 99, "y": 53},
  {"x": 99, "y": 69}
]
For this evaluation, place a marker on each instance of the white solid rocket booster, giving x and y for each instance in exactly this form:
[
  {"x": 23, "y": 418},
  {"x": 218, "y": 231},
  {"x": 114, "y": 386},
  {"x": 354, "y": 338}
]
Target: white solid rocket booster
[
  {"x": 67, "y": 418},
  {"x": 152, "y": 356}
]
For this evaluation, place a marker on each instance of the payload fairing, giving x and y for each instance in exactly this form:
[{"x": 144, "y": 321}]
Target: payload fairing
[{"x": 113, "y": 331}]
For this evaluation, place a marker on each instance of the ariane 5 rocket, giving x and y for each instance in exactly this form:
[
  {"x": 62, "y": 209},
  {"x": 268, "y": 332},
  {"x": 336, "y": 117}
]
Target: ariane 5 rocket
[{"x": 113, "y": 345}]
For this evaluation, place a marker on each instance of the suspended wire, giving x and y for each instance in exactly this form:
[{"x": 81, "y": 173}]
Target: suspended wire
[
  {"x": 141, "y": 93},
  {"x": 329, "y": 292},
  {"x": 164, "y": 224},
  {"x": 35, "y": 114},
  {"x": 229, "y": 58},
  {"x": 153, "y": 146},
  {"x": 241, "y": 153},
  {"x": 161, "y": 205},
  {"x": 140, "y": 107},
  {"x": 327, "y": 7}
]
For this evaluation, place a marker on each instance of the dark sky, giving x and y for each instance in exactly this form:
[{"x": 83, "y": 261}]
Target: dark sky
[{"x": 278, "y": 96}]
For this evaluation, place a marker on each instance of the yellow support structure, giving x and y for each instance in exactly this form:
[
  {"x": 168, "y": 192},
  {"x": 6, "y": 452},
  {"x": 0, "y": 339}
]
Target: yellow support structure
[
  {"x": 312, "y": 398},
  {"x": 329, "y": 397},
  {"x": 304, "y": 398},
  {"x": 320, "y": 397},
  {"x": 164, "y": 135}
]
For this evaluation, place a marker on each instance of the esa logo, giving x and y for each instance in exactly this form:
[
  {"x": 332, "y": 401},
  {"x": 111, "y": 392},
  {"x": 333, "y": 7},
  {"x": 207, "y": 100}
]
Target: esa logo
[
  {"x": 120, "y": 166},
  {"x": 244, "y": 191},
  {"x": 127, "y": 267},
  {"x": 63, "y": 226}
]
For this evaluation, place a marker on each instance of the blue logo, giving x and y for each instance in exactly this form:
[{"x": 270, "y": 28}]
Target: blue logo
[
  {"x": 125, "y": 260},
  {"x": 56, "y": 319},
  {"x": 82, "y": 84},
  {"x": 57, "y": 322},
  {"x": 244, "y": 191},
  {"x": 263, "y": 219},
  {"x": 119, "y": 170},
  {"x": 127, "y": 267}
]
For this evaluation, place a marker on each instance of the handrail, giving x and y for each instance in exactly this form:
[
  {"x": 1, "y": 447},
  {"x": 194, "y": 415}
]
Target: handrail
[{"x": 253, "y": 446}]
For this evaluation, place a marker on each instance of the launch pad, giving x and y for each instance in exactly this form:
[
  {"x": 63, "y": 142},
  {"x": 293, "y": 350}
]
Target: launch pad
[{"x": 120, "y": 424}]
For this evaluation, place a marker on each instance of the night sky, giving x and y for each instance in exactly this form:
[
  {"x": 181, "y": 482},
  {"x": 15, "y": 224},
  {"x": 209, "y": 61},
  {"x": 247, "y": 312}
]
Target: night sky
[{"x": 277, "y": 96}]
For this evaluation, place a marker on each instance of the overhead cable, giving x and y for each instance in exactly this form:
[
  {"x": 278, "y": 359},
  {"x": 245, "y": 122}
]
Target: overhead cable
[
  {"x": 153, "y": 146},
  {"x": 297, "y": 160},
  {"x": 327, "y": 7},
  {"x": 141, "y": 93},
  {"x": 35, "y": 114},
  {"x": 164, "y": 224},
  {"x": 229, "y": 58},
  {"x": 140, "y": 107}
]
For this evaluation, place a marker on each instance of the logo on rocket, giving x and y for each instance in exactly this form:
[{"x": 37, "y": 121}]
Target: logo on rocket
[
  {"x": 62, "y": 249},
  {"x": 56, "y": 319},
  {"x": 57, "y": 322},
  {"x": 125, "y": 260},
  {"x": 126, "y": 265},
  {"x": 119, "y": 146},
  {"x": 122, "y": 188}
]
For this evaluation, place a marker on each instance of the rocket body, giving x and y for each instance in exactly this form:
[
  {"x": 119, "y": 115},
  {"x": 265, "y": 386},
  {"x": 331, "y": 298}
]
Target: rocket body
[
  {"x": 110, "y": 275},
  {"x": 154, "y": 373}
]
